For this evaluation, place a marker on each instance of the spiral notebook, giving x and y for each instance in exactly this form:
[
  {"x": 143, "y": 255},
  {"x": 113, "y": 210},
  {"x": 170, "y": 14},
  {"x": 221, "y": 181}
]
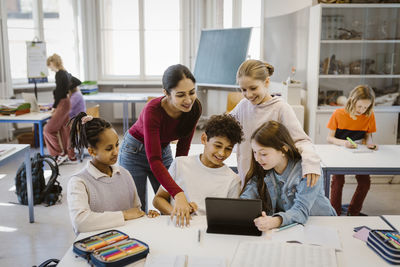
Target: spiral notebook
[{"x": 268, "y": 253}]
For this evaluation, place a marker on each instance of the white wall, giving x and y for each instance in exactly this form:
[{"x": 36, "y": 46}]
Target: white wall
[
  {"x": 286, "y": 38},
  {"x": 275, "y": 8}
]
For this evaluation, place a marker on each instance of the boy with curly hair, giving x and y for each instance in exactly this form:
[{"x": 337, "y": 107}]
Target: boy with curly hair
[{"x": 206, "y": 175}]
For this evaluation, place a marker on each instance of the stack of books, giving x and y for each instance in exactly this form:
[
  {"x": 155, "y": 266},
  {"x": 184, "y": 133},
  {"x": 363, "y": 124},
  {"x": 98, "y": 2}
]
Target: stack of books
[
  {"x": 89, "y": 87},
  {"x": 15, "y": 109}
]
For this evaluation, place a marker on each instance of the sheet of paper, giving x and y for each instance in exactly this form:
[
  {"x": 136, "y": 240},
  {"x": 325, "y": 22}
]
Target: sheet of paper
[
  {"x": 295, "y": 233},
  {"x": 199, "y": 261},
  {"x": 165, "y": 260},
  {"x": 309, "y": 234},
  {"x": 269, "y": 253},
  {"x": 323, "y": 236},
  {"x": 360, "y": 149}
]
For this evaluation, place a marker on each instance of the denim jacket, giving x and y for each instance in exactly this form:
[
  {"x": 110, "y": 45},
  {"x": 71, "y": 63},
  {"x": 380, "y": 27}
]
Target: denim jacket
[{"x": 289, "y": 192}]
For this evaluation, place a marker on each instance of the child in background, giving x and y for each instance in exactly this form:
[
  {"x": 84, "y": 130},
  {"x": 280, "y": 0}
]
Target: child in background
[
  {"x": 275, "y": 177},
  {"x": 206, "y": 175},
  {"x": 57, "y": 125},
  {"x": 76, "y": 98},
  {"x": 356, "y": 121},
  {"x": 102, "y": 195},
  {"x": 258, "y": 107}
]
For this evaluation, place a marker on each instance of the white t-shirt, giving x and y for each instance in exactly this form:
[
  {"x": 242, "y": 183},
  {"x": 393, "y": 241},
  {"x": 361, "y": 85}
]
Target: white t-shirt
[{"x": 198, "y": 181}]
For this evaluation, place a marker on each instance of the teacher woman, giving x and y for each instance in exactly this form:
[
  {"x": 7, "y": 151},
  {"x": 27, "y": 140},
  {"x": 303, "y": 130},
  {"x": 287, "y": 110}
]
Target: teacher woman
[{"x": 145, "y": 150}]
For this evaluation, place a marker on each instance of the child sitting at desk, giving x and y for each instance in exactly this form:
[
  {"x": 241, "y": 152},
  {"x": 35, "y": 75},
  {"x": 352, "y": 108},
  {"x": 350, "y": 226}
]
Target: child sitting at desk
[
  {"x": 76, "y": 98},
  {"x": 206, "y": 175},
  {"x": 102, "y": 195},
  {"x": 357, "y": 122},
  {"x": 275, "y": 177}
]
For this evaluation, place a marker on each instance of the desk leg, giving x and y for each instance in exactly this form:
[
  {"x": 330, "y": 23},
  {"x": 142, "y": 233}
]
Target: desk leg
[
  {"x": 125, "y": 116},
  {"x": 28, "y": 170},
  {"x": 327, "y": 182},
  {"x": 41, "y": 138}
]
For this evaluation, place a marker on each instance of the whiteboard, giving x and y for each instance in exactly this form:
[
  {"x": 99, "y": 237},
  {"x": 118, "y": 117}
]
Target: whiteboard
[
  {"x": 220, "y": 54},
  {"x": 36, "y": 61}
]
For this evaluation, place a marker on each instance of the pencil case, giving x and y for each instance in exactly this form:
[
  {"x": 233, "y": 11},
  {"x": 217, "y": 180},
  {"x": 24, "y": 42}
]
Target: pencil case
[
  {"x": 385, "y": 243},
  {"x": 111, "y": 248}
]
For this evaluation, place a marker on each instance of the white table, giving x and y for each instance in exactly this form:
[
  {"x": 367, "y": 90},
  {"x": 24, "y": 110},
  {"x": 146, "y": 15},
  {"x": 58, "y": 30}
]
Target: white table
[
  {"x": 164, "y": 238},
  {"x": 38, "y": 118},
  {"x": 16, "y": 151},
  {"x": 125, "y": 99},
  {"x": 339, "y": 160}
]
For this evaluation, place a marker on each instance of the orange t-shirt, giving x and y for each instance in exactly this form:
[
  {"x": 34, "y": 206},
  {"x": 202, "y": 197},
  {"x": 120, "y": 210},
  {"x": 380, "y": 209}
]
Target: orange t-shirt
[{"x": 345, "y": 126}]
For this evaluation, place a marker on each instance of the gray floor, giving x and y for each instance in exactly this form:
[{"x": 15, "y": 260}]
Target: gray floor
[{"x": 25, "y": 244}]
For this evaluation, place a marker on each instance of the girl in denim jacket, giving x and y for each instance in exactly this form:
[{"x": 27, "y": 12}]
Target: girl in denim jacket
[{"x": 275, "y": 177}]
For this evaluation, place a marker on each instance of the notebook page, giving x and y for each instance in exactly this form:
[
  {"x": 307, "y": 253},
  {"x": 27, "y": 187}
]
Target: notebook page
[
  {"x": 309, "y": 234},
  {"x": 295, "y": 233},
  {"x": 323, "y": 236},
  {"x": 165, "y": 260},
  {"x": 199, "y": 261},
  {"x": 260, "y": 254}
]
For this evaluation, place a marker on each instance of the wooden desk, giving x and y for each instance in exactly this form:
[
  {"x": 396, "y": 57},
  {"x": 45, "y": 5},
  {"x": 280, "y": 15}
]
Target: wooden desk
[
  {"x": 339, "y": 160},
  {"x": 16, "y": 151},
  {"x": 164, "y": 238},
  {"x": 125, "y": 99},
  {"x": 38, "y": 118}
]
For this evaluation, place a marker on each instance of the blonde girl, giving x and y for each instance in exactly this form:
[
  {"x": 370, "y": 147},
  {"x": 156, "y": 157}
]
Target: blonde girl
[
  {"x": 59, "y": 119},
  {"x": 258, "y": 107},
  {"x": 356, "y": 121}
]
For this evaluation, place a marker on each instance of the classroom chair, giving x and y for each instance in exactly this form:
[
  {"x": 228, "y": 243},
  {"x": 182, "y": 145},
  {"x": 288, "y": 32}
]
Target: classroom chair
[{"x": 233, "y": 99}]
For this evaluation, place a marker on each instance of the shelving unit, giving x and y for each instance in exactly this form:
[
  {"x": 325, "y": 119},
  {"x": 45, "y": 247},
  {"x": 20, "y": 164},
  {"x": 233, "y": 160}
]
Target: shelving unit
[{"x": 352, "y": 44}]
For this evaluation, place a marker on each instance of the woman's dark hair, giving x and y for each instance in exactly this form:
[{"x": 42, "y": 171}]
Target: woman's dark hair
[
  {"x": 224, "y": 125},
  {"x": 274, "y": 135},
  {"x": 87, "y": 134},
  {"x": 172, "y": 76}
]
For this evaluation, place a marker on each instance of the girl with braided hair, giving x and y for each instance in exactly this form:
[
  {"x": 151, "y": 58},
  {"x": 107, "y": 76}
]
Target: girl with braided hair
[{"x": 102, "y": 195}]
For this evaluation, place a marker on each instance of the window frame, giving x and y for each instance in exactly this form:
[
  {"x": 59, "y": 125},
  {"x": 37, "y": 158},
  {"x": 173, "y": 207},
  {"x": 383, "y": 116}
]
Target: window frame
[
  {"x": 184, "y": 21},
  {"x": 38, "y": 27},
  {"x": 237, "y": 20}
]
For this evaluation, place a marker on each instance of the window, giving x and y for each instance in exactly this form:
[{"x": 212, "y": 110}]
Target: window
[
  {"x": 58, "y": 30},
  {"x": 140, "y": 39},
  {"x": 20, "y": 29},
  {"x": 245, "y": 13},
  {"x": 251, "y": 17}
]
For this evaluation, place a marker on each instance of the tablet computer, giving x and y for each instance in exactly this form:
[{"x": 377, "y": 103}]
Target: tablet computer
[{"x": 233, "y": 216}]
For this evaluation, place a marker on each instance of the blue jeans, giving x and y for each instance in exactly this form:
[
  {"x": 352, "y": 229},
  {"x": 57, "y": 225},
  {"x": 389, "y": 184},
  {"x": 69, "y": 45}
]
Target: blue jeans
[{"x": 133, "y": 157}]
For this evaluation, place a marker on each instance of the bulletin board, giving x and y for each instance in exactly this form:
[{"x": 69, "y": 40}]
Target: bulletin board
[{"x": 36, "y": 62}]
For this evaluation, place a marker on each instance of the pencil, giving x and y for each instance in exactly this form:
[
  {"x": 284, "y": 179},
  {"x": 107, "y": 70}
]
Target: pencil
[
  {"x": 351, "y": 141},
  {"x": 198, "y": 236},
  {"x": 286, "y": 227}
]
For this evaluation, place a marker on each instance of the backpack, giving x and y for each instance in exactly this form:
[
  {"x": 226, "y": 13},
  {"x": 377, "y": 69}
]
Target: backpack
[{"x": 42, "y": 193}]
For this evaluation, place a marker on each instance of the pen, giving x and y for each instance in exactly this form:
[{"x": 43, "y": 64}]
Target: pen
[
  {"x": 351, "y": 141},
  {"x": 198, "y": 236},
  {"x": 286, "y": 227}
]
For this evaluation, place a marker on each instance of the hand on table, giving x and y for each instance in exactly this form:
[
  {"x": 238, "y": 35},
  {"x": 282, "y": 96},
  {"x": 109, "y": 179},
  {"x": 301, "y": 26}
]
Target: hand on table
[
  {"x": 265, "y": 223},
  {"x": 181, "y": 210}
]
